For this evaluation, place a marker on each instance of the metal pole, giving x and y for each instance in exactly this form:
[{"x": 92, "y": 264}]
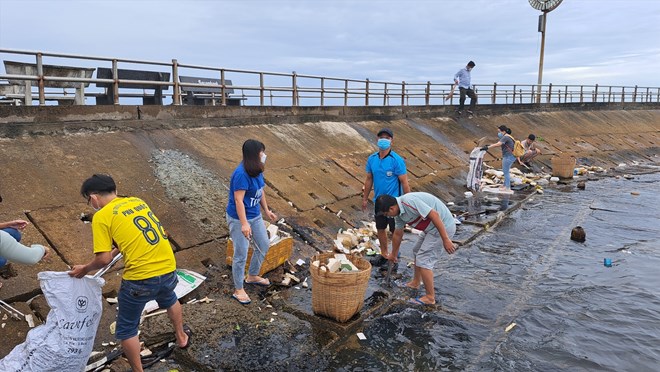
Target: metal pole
[
  {"x": 366, "y": 95},
  {"x": 428, "y": 92},
  {"x": 40, "y": 73},
  {"x": 115, "y": 84},
  {"x": 223, "y": 90},
  {"x": 261, "y": 89},
  {"x": 322, "y": 90},
  {"x": 176, "y": 100},
  {"x": 494, "y": 93},
  {"x": 294, "y": 83},
  {"x": 542, "y": 22}
]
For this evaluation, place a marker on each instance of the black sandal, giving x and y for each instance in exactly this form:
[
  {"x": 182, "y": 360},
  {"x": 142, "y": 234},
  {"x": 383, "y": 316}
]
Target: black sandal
[{"x": 189, "y": 332}]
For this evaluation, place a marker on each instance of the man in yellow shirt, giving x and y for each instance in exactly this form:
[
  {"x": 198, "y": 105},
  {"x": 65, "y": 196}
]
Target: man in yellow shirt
[{"x": 127, "y": 225}]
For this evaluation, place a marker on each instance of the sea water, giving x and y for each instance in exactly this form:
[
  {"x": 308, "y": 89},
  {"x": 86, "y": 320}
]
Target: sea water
[{"x": 571, "y": 312}]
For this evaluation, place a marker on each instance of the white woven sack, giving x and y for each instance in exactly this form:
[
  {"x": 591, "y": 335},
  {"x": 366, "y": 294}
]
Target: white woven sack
[{"x": 65, "y": 341}]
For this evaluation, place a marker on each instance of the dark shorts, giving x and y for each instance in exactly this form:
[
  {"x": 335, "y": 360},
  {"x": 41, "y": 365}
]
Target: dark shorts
[
  {"x": 134, "y": 294},
  {"x": 383, "y": 221}
]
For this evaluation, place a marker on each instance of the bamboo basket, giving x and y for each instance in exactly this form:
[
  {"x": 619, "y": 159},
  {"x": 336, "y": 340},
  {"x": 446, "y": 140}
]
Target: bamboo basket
[
  {"x": 277, "y": 254},
  {"x": 339, "y": 295},
  {"x": 562, "y": 166}
]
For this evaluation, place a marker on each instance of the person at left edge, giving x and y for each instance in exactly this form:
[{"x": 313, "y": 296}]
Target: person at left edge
[
  {"x": 149, "y": 264},
  {"x": 246, "y": 196}
]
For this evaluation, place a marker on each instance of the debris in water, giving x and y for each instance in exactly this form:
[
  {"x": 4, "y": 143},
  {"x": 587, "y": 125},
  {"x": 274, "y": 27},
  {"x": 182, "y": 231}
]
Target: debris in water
[
  {"x": 607, "y": 262},
  {"x": 578, "y": 234},
  {"x": 581, "y": 185},
  {"x": 111, "y": 300},
  {"x": 509, "y": 327},
  {"x": 634, "y": 193},
  {"x": 361, "y": 336},
  {"x": 300, "y": 262}
]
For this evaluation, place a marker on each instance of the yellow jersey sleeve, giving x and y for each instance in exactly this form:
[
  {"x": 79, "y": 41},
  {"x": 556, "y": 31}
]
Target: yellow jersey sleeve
[{"x": 132, "y": 226}]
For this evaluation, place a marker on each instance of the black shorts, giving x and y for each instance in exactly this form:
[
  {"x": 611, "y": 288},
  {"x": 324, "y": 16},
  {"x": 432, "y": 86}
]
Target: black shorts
[{"x": 383, "y": 221}]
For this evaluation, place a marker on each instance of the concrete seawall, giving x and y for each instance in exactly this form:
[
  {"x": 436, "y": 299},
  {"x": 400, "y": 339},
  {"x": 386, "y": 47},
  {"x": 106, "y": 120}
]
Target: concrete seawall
[{"x": 180, "y": 159}]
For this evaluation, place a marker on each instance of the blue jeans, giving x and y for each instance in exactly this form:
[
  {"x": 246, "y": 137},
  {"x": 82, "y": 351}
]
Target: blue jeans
[
  {"x": 507, "y": 161},
  {"x": 134, "y": 294},
  {"x": 260, "y": 238},
  {"x": 16, "y": 235}
]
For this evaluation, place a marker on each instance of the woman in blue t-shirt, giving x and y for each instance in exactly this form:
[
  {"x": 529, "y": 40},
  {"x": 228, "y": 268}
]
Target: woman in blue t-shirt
[
  {"x": 246, "y": 195},
  {"x": 506, "y": 143}
]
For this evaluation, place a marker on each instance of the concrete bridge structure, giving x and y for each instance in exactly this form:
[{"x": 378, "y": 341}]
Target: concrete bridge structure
[{"x": 179, "y": 160}]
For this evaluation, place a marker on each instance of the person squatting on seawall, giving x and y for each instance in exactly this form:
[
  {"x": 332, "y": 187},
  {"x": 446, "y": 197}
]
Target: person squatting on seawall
[
  {"x": 386, "y": 171},
  {"x": 531, "y": 151},
  {"x": 127, "y": 225},
  {"x": 246, "y": 195},
  {"x": 463, "y": 79},
  {"x": 425, "y": 212},
  {"x": 506, "y": 143}
]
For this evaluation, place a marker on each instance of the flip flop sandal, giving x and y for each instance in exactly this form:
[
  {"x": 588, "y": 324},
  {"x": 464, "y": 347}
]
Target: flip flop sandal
[
  {"x": 189, "y": 332},
  {"x": 242, "y": 302},
  {"x": 417, "y": 301},
  {"x": 264, "y": 282}
]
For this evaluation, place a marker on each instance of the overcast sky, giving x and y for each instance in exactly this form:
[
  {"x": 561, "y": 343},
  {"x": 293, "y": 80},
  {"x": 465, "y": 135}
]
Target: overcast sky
[{"x": 606, "y": 42}]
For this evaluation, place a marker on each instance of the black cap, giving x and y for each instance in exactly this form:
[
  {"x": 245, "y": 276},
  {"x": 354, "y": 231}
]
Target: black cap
[
  {"x": 471, "y": 64},
  {"x": 388, "y": 131}
]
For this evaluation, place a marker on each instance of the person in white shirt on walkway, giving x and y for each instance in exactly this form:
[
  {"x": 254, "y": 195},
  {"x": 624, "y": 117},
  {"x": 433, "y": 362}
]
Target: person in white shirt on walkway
[{"x": 463, "y": 80}]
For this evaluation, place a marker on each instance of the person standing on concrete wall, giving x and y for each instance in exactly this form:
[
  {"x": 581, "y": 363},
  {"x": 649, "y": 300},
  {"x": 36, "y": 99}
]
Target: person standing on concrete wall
[
  {"x": 127, "y": 225},
  {"x": 425, "y": 212},
  {"x": 246, "y": 196},
  {"x": 506, "y": 143},
  {"x": 386, "y": 172},
  {"x": 463, "y": 79},
  {"x": 529, "y": 144}
]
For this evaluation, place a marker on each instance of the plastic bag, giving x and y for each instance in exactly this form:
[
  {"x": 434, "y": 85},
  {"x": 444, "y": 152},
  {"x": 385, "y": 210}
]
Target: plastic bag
[{"x": 65, "y": 341}]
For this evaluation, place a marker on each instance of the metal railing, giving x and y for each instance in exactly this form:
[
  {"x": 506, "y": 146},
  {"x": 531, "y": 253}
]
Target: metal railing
[{"x": 260, "y": 88}]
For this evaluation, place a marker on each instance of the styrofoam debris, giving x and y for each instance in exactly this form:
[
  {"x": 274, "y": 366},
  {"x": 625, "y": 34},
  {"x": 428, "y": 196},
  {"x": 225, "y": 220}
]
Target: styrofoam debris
[
  {"x": 111, "y": 300},
  {"x": 30, "y": 320},
  {"x": 293, "y": 277},
  {"x": 300, "y": 262},
  {"x": 361, "y": 336},
  {"x": 509, "y": 327}
]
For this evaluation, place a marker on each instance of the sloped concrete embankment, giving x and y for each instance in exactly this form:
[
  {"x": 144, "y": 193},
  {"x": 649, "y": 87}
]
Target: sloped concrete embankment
[{"x": 180, "y": 161}]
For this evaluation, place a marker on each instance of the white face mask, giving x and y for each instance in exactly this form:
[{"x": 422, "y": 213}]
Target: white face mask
[
  {"x": 263, "y": 158},
  {"x": 91, "y": 204}
]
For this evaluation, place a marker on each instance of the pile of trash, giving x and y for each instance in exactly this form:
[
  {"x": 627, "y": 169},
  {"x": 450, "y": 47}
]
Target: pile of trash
[
  {"x": 493, "y": 177},
  {"x": 358, "y": 241},
  {"x": 338, "y": 263}
]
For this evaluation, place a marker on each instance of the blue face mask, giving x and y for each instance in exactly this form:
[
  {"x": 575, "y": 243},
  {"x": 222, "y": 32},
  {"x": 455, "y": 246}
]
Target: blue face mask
[
  {"x": 500, "y": 135},
  {"x": 384, "y": 143}
]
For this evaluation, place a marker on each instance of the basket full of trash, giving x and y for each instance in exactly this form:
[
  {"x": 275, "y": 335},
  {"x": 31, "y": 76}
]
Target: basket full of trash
[{"x": 339, "y": 283}]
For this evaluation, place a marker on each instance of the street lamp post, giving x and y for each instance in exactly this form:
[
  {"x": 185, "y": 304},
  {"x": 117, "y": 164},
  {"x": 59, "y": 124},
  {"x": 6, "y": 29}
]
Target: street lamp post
[{"x": 546, "y": 6}]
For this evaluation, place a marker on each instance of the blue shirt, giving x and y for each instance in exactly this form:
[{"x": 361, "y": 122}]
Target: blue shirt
[
  {"x": 463, "y": 77},
  {"x": 254, "y": 188},
  {"x": 385, "y": 173}
]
